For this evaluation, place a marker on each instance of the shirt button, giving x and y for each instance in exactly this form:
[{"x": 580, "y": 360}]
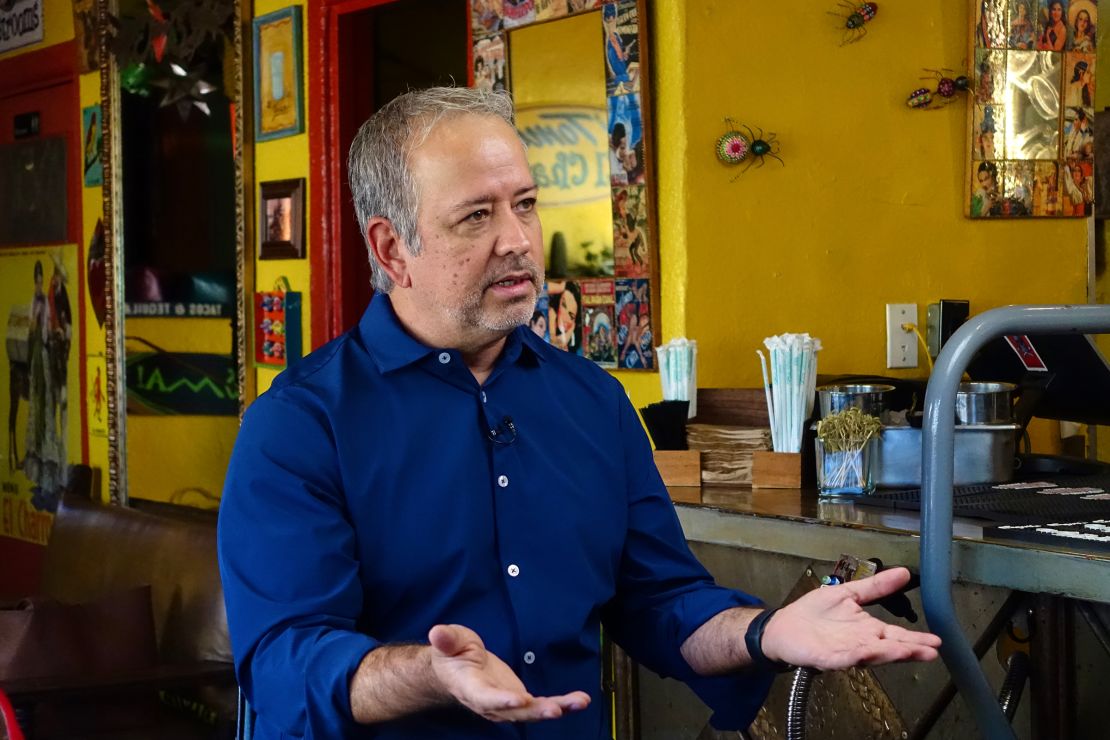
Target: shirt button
[
  {"x": 529, "y": 657},
  {"x": 514, "y": 570},
  {"x": 503, "y": 481},
  {"x": 444, "y": 358},
  {"x": 483, "y": 396}
]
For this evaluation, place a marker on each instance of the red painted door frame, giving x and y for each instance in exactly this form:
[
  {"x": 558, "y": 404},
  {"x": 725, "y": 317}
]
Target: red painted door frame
[
  {"x": 328, "y": 54},
  {"x": 326, "y": 162}
]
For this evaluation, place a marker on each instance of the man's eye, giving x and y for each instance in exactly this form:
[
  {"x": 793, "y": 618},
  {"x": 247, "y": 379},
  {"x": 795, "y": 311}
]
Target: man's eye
[
  {"x": 527, "y": 204},
  {"x": 478, "y": 216}
]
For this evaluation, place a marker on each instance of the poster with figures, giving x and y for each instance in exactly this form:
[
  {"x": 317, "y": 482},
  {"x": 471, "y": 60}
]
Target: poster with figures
[
  {"x": 631, "y": 256},
  {"x": 597, "y": 321},
  {"x": 38, "y": 300},
  {"x": 633, "y": 316},
  {"x": 626, "y": 141},
  {"x": 621, "y": 31},
  {"x": 490, "y": 69}
]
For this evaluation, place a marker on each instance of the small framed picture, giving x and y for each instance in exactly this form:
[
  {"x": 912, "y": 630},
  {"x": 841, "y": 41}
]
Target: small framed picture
[
  {"x": 281, "y": 222},
  {"x": 278, "y": 81}
]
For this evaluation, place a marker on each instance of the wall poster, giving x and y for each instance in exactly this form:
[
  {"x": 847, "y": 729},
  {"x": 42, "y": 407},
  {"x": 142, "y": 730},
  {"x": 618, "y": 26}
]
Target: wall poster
[{"x": 38, "y": 300}]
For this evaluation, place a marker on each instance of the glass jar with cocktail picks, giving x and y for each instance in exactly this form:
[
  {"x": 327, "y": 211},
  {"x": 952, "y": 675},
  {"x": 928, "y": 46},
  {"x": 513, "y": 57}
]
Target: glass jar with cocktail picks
[{"x": 846, "y": 444}]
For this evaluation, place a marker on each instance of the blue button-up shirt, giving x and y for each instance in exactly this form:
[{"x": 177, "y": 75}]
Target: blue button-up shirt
[{"x": 377, "y": 490}]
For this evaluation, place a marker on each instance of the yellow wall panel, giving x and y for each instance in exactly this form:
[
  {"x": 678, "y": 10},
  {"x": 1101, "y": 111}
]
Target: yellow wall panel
[{"x": 283, "y": 159}]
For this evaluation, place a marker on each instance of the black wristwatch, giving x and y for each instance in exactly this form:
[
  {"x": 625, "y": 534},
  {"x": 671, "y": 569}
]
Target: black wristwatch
[{"x": 753, "y": 640}]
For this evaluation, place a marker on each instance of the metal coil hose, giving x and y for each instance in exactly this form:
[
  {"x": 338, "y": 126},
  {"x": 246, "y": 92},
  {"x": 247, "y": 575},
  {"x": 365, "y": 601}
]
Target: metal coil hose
[
  {"x": 799, "y": 701},
  {"x": 1017, "y": 672}
]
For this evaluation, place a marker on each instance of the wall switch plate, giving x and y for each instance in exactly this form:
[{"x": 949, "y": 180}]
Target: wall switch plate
[{"x": 901, "y": 344}]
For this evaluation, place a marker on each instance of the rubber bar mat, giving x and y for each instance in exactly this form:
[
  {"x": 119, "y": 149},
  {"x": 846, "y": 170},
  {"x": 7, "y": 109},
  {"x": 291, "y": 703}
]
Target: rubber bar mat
[
  {"x": 1087, "y": 534},
  {"x": 1044, "y": 499}
]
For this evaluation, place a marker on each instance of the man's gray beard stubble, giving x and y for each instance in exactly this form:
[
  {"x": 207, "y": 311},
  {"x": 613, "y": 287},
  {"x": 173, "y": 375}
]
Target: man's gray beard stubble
[{"x": 470, "y": 312}]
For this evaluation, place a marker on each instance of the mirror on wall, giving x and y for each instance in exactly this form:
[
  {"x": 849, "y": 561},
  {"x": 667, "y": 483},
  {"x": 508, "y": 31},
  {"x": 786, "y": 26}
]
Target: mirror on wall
[
  {"x": 558, "y": 75},
  {"x": 172, "y": 87},
  {"x": 574, "y": 69}
]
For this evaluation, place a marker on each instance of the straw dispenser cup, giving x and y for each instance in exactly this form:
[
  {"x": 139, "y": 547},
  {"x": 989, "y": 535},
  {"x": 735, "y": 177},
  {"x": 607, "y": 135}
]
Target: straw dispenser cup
[
  {"x": 847, "y": 437},
  {"x": 678, "y": 372},
  {"x": 789, "y": 377}
]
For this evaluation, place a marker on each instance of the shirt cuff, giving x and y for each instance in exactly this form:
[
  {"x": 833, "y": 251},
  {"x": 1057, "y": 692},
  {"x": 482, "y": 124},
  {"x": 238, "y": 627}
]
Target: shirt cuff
[
  {"x": 698, "y": 607},
  {"x": 331, "y": 670}
]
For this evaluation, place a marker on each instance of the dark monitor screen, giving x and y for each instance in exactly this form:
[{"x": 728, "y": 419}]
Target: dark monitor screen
[{"x": 1067, "y": 370}]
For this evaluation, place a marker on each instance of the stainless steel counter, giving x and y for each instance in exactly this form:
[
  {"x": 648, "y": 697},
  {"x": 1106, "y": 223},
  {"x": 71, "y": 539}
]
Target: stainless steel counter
[{"x": 798, "y": 523}]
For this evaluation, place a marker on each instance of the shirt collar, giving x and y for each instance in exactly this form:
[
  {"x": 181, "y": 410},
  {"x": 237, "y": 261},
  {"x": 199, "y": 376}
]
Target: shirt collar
[{"x": 391, "y": 347}]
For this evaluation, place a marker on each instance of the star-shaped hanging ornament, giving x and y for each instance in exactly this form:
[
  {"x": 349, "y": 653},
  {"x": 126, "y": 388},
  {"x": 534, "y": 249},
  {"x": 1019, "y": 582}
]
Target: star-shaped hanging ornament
[{"x": 184, "y": 88}]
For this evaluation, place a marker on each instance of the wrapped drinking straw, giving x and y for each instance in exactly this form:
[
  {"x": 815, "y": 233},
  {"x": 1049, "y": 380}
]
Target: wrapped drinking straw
[
  {"x": 678, "y": 372},
  {"x": 789, "y": 386}
]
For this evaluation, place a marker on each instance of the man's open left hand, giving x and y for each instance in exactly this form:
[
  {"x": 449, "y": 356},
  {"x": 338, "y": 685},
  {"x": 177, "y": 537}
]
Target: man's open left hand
[{"x": 828, "y": 629}]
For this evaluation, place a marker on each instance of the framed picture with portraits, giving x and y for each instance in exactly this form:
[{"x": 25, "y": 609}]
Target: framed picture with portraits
[
  {"x": 278, "y": 75},
  {"x": 281, "y": 227},
  {"x": 1031, "y": 111}
]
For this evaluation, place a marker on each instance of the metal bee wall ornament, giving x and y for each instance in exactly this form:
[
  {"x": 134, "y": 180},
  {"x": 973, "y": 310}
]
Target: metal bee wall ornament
[
  {"x": 920, "y": 98},
  {"x": 733, "y": 147},
  {"x": 855, "y": 19},
  {"x": 945, "y": 93},
  {"x": 947, "y": 87}
]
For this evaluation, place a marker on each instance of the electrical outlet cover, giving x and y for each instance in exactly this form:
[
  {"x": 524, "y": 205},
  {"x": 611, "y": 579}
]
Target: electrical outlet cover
[{"x": 901, "y": 344}]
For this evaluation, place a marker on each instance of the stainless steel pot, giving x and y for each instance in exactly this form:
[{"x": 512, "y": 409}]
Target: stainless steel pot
[
  {"x": 984, "y": 403},
  {"x": 867, "y": 398},
  {"x": 983, "y": 453}
]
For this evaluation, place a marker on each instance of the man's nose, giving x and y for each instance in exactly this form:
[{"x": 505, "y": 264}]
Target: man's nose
[{"x": 514, "y": 235}]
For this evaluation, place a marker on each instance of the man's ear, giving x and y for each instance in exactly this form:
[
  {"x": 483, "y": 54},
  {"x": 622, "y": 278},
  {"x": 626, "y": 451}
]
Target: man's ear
[{"x": 389, "y": 250}]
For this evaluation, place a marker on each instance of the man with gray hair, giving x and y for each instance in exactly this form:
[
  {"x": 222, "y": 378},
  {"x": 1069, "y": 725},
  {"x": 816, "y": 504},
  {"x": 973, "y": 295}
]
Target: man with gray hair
[{"x": 428, "y": 521}]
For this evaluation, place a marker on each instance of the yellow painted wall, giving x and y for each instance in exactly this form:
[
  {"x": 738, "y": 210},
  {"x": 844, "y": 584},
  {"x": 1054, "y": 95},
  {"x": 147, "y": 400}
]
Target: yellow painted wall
[
  {"x": 284, "y": 159},
  {"x": 867, "y": 210}
]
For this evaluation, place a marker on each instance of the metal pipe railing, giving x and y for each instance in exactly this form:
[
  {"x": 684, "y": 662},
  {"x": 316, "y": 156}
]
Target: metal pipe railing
[{"x": 936, "y": 491}]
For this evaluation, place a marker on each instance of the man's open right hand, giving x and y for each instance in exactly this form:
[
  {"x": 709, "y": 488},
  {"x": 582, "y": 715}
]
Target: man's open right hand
[{"x": 483, "y": 683}]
